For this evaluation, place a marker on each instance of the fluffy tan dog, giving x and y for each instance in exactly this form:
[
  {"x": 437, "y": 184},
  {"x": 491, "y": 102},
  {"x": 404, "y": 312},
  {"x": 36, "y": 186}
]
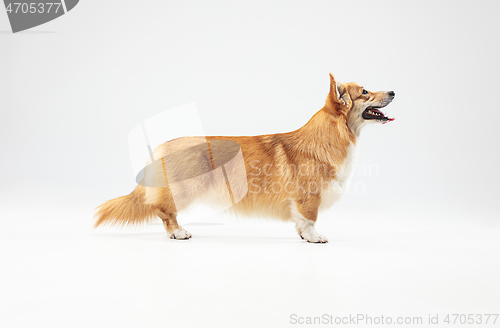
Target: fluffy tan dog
[{"x": 288, "y": 176}]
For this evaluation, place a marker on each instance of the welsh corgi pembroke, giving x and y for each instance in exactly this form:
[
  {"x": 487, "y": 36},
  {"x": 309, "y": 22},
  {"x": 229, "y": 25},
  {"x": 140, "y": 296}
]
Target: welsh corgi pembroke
[{"x": 288, "y": 176}]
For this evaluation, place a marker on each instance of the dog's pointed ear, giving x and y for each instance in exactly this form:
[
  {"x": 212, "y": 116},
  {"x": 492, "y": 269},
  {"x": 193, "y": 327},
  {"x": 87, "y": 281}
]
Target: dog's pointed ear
[
  {"x": 345, "y": 97},
  {"x": 339, "y": 96},
  {"x": 334, "y": 91}
]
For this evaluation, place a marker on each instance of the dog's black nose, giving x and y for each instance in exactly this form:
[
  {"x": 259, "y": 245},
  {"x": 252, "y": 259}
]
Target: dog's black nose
[{"x": 391, "y": 93}]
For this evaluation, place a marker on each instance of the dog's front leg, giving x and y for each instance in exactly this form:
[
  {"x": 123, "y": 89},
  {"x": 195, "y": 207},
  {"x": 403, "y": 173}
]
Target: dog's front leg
[{"x": 304, "y": 212}]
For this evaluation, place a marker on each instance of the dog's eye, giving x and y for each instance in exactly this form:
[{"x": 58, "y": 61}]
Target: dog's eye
[{"x": 365, "y": 92}]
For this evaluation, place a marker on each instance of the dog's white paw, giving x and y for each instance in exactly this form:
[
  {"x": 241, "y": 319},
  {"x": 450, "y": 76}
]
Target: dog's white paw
[
  {"x": 180, "y": 233},
  {"x": 312, "y": 236}
]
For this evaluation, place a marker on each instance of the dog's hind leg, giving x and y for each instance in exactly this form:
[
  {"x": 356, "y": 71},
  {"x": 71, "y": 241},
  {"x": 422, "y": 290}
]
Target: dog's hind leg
[
  {"x": 174, "y": 230},
  {"x": 163, "y": 202},
  {"x": 304, "y": 213}
]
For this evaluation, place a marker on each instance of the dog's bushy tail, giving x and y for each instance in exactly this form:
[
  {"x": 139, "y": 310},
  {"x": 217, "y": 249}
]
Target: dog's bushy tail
[{"x": 125, "y": 210}]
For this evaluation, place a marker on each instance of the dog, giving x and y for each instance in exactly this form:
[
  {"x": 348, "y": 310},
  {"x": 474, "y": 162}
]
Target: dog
[{"x": 287, "y": 176}]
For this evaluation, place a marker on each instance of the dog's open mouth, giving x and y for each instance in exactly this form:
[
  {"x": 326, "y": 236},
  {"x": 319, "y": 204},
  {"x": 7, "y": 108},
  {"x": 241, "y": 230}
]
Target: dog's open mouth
[{"x": 374, "y": 113}]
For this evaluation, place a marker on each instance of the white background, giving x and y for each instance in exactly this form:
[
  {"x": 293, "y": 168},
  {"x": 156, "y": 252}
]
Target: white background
[{"x": 419, "y": 235}]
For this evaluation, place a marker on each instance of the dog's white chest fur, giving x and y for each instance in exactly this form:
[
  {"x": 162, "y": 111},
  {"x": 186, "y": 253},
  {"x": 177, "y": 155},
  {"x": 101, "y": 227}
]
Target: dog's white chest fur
[{"x": 339, "y": 186}]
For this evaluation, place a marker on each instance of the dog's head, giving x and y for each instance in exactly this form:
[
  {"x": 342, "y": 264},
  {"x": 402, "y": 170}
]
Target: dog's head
[{"x": 359, "y": 105}]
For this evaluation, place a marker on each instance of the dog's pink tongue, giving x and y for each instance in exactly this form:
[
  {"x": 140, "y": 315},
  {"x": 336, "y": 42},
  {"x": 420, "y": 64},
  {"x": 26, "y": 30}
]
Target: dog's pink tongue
[{"x": 390, "y": 120}]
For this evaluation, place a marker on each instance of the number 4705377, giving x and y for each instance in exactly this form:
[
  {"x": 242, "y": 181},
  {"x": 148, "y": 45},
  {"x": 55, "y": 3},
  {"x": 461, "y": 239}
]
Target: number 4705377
[
  {"x": 40, "y": 7},
  {"x": 471, "y": 319}
]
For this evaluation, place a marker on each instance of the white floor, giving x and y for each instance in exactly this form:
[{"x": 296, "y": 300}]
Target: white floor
[{"x": 57, "y": 272}]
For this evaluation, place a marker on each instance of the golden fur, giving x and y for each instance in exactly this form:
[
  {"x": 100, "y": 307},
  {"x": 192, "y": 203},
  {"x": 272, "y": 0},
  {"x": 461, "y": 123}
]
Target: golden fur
[{"x": 271, "y": 181}]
